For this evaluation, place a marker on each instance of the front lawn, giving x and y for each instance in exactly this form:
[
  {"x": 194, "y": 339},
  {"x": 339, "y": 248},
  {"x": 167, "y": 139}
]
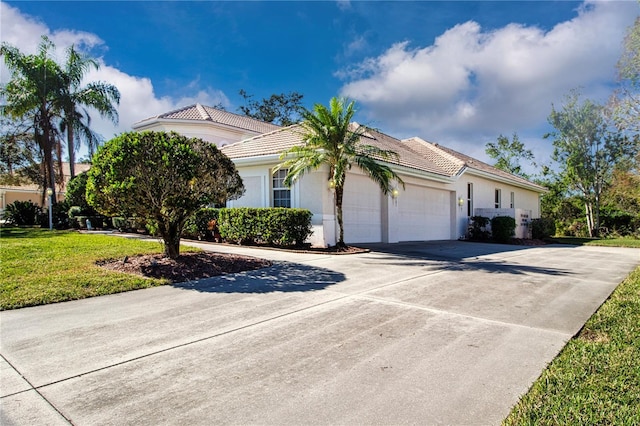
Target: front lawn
[
  {"x": 596, "y": 377},
  {"x": 39, "y": 266},
  {"x": 609, "y": 242}
]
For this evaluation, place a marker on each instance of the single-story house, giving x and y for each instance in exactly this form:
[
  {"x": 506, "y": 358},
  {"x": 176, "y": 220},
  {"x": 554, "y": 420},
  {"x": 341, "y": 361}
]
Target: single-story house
[
  {"x": 33, "y": 193},
  {"x": 443, "y": 188}
]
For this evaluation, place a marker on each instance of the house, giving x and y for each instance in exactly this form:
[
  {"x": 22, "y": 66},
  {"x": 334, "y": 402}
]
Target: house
[
  {"x": 33, "y": 193},
  {"x": 207, "y": 123},
  {"x": 443, "y": 187}
]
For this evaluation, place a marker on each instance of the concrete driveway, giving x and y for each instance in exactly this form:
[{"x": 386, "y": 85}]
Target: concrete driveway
[{"x": 421, "y": 333}]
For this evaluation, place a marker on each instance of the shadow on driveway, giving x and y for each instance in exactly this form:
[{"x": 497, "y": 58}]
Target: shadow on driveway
[
  {"x": 282, "y": 277},
  {"x": 460, "y": 256}
]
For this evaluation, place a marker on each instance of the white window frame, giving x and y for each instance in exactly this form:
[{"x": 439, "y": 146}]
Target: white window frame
[
  {"x": 512, "y": 204},
  {"x": 498, "y": 198},
  {"x": 278, "y": 190},
  {"x": 469, "y": 199}
]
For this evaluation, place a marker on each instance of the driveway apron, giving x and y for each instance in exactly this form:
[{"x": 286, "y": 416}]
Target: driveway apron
[{"x": 416, "y": 333}]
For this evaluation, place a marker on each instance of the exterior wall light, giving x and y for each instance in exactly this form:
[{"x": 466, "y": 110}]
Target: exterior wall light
[
  {"x": 395, "y": 193},
  {"x": 460, "y": 201},
  {"x": 332, "y": 185}
]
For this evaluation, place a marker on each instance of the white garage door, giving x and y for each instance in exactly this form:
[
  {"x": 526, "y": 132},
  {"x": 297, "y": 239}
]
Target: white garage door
[
  {"x": 424, "y": 214},
  {"x": 361, "y": 207}
]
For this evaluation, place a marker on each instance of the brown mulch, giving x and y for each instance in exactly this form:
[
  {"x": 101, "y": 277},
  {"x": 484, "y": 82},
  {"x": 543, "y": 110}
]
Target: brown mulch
[{"x": 188, "y": 266}]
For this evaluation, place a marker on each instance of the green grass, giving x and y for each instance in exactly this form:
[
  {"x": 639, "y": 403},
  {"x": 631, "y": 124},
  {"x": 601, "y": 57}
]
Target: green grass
[
  {"x": 38, "y": 266},
  {"x": 609, "y": 242},
  {"x": 596, "y": 378}
]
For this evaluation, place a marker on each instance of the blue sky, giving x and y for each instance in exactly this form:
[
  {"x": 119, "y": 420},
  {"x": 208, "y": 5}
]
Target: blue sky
[{"x": 458, "y": 73}]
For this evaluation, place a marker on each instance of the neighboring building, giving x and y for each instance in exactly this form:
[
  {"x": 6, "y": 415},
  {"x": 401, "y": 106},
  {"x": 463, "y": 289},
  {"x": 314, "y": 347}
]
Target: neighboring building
[
  {"x": 33, "y": 193},
  {"x": 207, "y": 123},
  {"x": 443, "y": 188}
]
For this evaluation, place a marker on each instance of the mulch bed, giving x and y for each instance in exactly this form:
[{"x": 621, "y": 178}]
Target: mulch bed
[{"x": 188, "y": 266}]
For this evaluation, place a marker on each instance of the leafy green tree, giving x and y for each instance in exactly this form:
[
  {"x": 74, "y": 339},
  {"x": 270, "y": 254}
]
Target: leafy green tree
[
  {"x": 17, "y": 152},
  {"x": 587, "y": 151},
  {"x": 283, "y": 109},
  {"x": 74, "y": 100},
  {"x": 32, "y": 94},
  {"x": 625, "y": 102},
  {"x": 76, "y": 194},
  {"x": 160, "y": 177},
  {"x": 330, "y": 139},
  {"x": 508, "y": 155}
]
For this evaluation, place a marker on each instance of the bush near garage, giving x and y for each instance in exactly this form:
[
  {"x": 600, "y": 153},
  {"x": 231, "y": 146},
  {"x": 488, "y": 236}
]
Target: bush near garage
[
  {"x": 200, "y": 226},
  {"x": 503, "y": 228},
  {"x": 478, "y": 228},
  {"x": 542, "y": 228},
  {"x": 272, "y": 226}
]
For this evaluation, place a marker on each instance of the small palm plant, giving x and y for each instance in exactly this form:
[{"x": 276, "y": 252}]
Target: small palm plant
[{"x": 330, "y": 138}]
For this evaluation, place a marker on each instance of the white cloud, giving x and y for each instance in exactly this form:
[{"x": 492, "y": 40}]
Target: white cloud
[
  {"x": 138, "y": 98},
  {"x": 471, "y": 85}
]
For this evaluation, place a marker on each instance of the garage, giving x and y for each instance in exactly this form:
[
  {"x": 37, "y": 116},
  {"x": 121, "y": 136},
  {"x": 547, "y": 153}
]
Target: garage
[
  {"x": 424, "y": 214},
  {"x": 362, "y": 210}
]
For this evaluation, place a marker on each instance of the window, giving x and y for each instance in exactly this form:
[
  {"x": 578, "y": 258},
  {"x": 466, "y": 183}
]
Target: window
[
  {"x": 281, "y": 194},
  {"x": 498, "y": 202},
  {"x": 512, "y": 205},
  {"x": 469, "y": 199}
]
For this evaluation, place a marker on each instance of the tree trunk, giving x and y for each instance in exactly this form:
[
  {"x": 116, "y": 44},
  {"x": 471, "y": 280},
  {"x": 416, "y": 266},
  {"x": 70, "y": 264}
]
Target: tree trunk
[
  {"x": 589, "y": 214},
  {"x": 71, "y": 151},
  {"x": 339, "y": 193},
  {"x": 170, "y": 233}
]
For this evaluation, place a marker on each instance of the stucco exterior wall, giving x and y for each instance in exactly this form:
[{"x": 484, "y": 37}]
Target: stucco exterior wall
[{"x": 206, "y": 131}]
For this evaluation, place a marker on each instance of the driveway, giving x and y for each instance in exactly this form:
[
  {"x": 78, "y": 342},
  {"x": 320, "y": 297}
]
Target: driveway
[{"x": 420, "y": 333}]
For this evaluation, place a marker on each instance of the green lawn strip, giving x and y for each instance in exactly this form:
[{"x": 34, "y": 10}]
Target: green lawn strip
[
  {"x": 608, "y": 242},
  {"x": 596, "y": 378},
  {"x": 41, "y": 266}
]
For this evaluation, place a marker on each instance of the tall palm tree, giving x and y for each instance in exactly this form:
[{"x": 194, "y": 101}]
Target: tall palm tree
[
  {"x": 330, "y": 138},
  {"x": 75, "y": 99},
  {"x": 32, "y": 92}
]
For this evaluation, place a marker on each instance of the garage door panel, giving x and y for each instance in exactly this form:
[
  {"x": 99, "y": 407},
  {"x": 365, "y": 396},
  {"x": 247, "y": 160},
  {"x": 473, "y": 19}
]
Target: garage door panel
[
  {"x": 362, "y": 207},
  {"x": 424, "y": 214}
]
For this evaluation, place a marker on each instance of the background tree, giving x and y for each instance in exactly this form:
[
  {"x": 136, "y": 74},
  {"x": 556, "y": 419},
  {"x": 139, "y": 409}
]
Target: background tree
[
  {"x": 283, "y": 109},
  {"x": 160, "y": 177},
  {"x": 330, "y": 139},
  {"x": 625, "y": 102},
  {"x": 587, "y": 150},
  {"x": 17, "y": 152},
  {"x": 74, "y": 100},
  {"x": 32, "y": 94},
  {"x": 508, "y": 155}
]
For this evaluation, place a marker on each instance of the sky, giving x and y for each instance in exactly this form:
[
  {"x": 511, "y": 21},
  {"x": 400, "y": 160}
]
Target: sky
[{"x": 453, "y": 72}]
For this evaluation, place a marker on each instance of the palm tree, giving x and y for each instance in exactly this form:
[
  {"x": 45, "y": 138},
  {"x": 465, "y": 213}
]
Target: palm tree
[
  {"x": 74, "y": 98},
  {"x": 330, "y": 138},
  {"x": 32, "y": 92}
]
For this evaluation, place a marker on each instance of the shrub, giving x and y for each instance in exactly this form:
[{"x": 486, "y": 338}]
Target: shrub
[
  {"x": 503, "y": 228},
  {"x": 274, "y": 226},
  {"x": 23, "y": 213},
  {"x": 478, "y": 228},
  {"x": 198, "y": 225},
  {"x": 542, "y": 228}
]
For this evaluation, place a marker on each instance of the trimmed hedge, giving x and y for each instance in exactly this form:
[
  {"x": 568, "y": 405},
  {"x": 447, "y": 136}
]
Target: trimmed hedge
[
  {"x": 478, "y": 228},
  {"x": 503, "y": 228},
  {"x": 273, "y": 226},
  {"x": 542, "y": 228},
  {"x": 199, "y": 226}
]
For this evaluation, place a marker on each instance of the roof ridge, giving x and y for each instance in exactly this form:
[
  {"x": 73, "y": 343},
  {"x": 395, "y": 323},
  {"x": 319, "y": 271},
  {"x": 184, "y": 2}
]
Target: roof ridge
[{"x": 203, "y": 112}]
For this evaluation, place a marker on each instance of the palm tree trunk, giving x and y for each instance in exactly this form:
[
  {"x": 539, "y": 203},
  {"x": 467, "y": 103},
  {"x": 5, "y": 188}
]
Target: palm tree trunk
[
  {"x": 339, "y": 193},
  {"x": 71, "y": 151}
]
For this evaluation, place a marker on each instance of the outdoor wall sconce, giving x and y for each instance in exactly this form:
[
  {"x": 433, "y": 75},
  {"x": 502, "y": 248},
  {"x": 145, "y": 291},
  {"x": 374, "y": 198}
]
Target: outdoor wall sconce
[
  {"x": 332, "y": 185},
  {"x": 395, "y": 193},
  {"x": 460, "y": 201}
]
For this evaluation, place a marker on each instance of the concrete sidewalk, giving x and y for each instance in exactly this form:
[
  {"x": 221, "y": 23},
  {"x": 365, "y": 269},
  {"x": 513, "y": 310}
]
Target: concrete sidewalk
[{"x": 420, "y": 333}]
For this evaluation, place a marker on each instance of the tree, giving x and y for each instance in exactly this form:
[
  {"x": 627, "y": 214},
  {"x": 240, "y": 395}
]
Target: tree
[
  {"x": 32, "y": 93},
  {"x": 283, "y": 109},
  {"x": 509, "y": 154},
  {"x": 17, "y": 152},
  {"x": 625, "y": 102},
  {"x": 74, "y": 100},
  {"x": 162, "y": 178},
  {"x": 330, "y": 139},
  {"x": 587, "y": 150}
]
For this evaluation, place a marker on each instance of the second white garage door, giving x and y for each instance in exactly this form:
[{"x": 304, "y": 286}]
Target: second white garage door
[
  {"x": 361, "y": 206},
  {"x": 424, "y": 214}
]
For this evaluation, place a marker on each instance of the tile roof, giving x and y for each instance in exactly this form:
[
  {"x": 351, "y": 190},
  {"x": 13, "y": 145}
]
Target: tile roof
[
  {"x": 475, "y": 164},
  {"x": 198, "y": 112}
]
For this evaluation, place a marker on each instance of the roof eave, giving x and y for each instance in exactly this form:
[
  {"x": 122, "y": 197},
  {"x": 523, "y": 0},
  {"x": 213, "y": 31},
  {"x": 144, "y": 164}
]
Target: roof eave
[{"x": 531, "y": 186}]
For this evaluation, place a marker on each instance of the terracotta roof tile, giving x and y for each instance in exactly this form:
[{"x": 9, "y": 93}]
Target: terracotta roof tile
[{"x": 198, "y": 112}]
